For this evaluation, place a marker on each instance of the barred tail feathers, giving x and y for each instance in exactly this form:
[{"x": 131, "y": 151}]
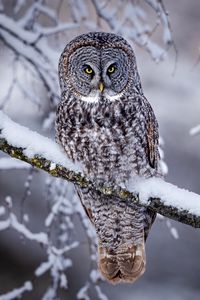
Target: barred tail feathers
[{"x": 125, "y": 264}]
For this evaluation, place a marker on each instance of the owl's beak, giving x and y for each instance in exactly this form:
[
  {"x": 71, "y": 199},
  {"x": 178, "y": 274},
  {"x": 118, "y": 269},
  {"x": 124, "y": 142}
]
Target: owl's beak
[{"x": 101, "y": 87}]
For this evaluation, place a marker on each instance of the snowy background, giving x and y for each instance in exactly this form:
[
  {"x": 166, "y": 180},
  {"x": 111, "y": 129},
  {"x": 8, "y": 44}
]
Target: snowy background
[{"x": 172, "y": 87}]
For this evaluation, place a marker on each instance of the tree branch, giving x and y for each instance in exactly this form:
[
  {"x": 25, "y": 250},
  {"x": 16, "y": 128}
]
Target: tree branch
[{"x": 164, "y": 198}]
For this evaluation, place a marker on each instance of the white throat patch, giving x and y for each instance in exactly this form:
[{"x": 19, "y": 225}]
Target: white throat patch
[
  {"x": 91, "y": 99},
  {"x": 113, "y": 98},
  {"x": 96, "y": 98}
]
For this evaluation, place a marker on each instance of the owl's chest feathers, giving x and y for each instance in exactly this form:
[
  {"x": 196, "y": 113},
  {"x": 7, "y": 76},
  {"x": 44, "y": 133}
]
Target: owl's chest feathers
[{"x": 104, "y": 138}]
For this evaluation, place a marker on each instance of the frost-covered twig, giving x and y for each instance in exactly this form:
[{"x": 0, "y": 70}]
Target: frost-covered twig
[
  {"x": 133, "y": 24},
  {"x": 37, "y": 32},
  {"x": 43, "y": 153},
  {"x": 12, "y": 222},
  {"x": 57, "y": 250},
  {"x": 27, "y": 44},
  {"x": 195, "y": 130},
  {"x": 18, "y": 292}
]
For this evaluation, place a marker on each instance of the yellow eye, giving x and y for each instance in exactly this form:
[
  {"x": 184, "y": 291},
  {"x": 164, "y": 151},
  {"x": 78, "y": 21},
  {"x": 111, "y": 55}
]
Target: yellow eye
[
  {"x": 111, "y": 69},
  {"x": 88, "y": 70}
]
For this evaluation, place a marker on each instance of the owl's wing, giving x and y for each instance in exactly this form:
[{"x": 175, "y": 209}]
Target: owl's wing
[
  {"x": 152, "y": 141},
  {"x": 150, "y": 217},
  {"x": 82, "y": 194},
  {"x": 153, "y": 157},
  {"x": 152, "y": 154}
]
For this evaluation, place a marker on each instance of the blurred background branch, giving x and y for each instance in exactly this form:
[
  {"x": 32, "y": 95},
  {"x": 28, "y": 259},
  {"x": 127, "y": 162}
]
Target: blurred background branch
[{"x": 33, "y": 33}]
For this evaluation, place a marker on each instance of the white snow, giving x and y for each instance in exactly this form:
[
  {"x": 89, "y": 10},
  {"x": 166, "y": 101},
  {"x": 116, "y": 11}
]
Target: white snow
[
  {"x": 8, "y": 22},
  {"x": 163, "y": 167},
  {"x": 43, "y": 268},
  {"x": 67, "y": 248},
  {"x": 8, "y": 200},
  {"x": 8, "y": 163},
  {"x": 195, "y": 130},
  {"x": 174, "y": 233},
  {"x": 4, "y": 224},
  {"x": 54, "y": 259},
  {"x": 12, "y": 222},
  {"x": 172, "y": 229},
  {"x": 49, "y": 294},
  {"x": 53, "y": 213},
  {"x": 63, "y": 281},
  {"x": 18, "y": 5},
  {"x": 59, "y": 28},
  {"x": 26, "y": 218},
  {"x": 169, "y": 194},
  {"x": 39, "y": 237},
  {"x": 52, "y": 166},
  {"x": 83, "y": 293},
  {"x": 100, "y": 294},
  {"x": 49, "y": 121},
  {"x": 17, "y": 293},
  {"x": 34, "y": 144},
  {"x": 95, "y": 275},
  {"x": 2, "y": 211}
]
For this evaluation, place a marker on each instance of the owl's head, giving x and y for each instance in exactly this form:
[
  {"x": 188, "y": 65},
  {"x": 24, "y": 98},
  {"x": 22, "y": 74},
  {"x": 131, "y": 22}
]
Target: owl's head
[{"x": 98, "y": 65}]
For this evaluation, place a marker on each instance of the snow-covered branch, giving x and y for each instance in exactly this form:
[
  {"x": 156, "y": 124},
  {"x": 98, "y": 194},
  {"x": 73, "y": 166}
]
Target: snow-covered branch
[
  {"x": 43, "y": 153},
  {"x": 18, "y": 292},
  {"x": 12, "y": 222}
]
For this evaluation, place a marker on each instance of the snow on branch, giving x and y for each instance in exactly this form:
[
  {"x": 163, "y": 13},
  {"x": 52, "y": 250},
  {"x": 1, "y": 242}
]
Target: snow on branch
[
  {"x": 195, "y": 130},
  {"x": 17, "y": 293},
  {"x": 164, "y": 198},
  {"x": 12, "y": 222},
  {"x": 9, "y": 163}
]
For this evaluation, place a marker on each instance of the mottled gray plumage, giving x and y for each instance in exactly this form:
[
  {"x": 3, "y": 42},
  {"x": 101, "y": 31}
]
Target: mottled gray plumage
[{"x": 105, "y": 122}]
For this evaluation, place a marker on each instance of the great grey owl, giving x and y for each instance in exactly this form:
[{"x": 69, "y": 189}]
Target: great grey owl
[{"x": 105, "y": 122}]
